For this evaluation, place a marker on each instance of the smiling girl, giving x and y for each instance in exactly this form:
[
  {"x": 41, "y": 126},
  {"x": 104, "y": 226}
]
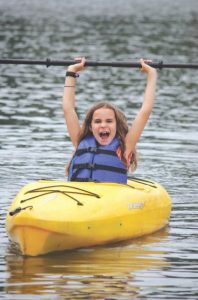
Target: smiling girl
[{"x": 105, "y": 145}]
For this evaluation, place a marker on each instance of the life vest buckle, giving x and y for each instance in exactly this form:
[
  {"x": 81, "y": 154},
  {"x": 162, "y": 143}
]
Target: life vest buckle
[
  {"x": 92, "y": 149},
  {"x": 91, "y": 166}
]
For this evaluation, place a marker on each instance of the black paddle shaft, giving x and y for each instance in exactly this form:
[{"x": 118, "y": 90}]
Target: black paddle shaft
[{"x": 48, "y": 62}]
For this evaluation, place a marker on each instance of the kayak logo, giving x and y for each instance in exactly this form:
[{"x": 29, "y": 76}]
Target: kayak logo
[{"x": 136, "y": 205}]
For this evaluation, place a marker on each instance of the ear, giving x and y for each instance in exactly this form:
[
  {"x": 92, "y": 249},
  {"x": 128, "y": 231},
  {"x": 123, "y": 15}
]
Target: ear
[{"x": 90, "y": 128}]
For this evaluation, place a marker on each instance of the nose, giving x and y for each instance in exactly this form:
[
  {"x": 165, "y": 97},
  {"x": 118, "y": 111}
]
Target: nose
[{"x": 103, "y": 124}]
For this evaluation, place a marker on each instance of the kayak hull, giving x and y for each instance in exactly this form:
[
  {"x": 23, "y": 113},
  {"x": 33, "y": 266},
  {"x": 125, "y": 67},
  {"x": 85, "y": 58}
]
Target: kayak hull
[{"x": 48, "y": 216}]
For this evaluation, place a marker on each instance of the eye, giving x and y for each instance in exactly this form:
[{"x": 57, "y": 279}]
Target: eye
[
  {"x": 97, "y": 121},
  {"x": 109, "y": 120}
]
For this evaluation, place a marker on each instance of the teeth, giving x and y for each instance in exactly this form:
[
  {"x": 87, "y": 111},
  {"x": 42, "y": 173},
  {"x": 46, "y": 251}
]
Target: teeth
[{"x": 104, "y": 133}]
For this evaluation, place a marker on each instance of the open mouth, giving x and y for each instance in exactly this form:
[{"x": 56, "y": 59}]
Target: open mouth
[{"x": 104, "y": 134}]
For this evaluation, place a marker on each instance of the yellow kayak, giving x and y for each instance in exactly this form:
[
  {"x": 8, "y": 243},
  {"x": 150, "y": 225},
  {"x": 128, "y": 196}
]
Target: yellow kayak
[{"x": 48, "y": 216}]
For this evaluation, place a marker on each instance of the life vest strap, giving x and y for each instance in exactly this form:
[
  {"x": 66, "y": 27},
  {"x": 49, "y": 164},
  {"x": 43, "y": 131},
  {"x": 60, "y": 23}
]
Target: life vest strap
[
  {"x": 83, "y": 179},
  {"x": 99, "y": 167},
  {"x": 94, "y": 150}
]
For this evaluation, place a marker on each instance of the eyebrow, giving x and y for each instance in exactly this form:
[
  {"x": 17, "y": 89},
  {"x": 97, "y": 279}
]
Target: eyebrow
[{"x": 99, "y": 119}]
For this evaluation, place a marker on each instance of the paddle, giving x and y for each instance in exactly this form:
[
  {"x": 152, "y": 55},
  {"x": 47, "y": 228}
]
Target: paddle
[{"x": 48, "y": 62}]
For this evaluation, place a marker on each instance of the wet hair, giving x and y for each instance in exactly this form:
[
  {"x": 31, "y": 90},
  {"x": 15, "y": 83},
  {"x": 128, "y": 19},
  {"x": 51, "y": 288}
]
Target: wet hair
[{"x": 121, "y": 128}]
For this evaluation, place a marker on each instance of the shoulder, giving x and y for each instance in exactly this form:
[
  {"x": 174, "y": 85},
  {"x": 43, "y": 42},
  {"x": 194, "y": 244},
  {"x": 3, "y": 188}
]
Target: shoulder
[{"x": 88, "y": 140}]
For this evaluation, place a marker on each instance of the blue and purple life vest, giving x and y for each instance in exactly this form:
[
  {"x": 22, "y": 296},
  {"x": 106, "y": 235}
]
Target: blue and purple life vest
[{"x": 94, "y": 162}]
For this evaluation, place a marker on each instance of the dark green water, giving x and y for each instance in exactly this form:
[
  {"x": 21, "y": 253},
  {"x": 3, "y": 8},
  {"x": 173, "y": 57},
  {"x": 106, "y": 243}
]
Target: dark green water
[{"x": 34, "y": 143}]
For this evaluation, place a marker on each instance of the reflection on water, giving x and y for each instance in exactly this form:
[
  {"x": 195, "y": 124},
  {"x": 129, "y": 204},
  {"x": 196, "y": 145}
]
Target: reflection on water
[
  {"x": 34, "y": 143},
  {"x": 110, "y": 270}
]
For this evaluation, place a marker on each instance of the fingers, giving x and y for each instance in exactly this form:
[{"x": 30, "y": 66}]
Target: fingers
[
  {"x": 80, "y": 60},
  {"x": 79, "y": 65},
  {"x": 145, "y": 67},
  {"x": 145, "y": 62}
]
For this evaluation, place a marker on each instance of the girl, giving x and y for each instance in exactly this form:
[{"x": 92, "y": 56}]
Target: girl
[{"x": 105, "y": 145}]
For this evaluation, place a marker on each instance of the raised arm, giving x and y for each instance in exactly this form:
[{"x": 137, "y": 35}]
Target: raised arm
[
  {"x": 142, "y": 117},
  {"x": 70, "y": 114}
]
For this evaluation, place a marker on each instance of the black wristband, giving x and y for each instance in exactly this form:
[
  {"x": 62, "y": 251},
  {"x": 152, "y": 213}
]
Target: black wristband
[{"x": 71, "y": 74}]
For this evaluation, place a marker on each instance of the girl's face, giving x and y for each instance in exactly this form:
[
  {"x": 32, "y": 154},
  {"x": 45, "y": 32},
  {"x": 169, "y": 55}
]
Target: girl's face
[{"x": 103, "y": 125}]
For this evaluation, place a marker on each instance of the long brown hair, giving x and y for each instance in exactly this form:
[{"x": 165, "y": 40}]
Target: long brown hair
[{"x": 121, "y": 126}]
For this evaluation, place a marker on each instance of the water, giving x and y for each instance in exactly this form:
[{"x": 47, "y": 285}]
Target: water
[{"x": 34, "y": 143}]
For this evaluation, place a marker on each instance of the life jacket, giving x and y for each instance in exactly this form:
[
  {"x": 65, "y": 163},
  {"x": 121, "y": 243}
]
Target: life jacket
[{"x": 94, "y": 162}]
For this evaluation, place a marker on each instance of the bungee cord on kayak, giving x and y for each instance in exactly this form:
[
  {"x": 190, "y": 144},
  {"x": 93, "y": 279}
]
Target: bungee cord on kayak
[
  {"x": 143, "y": 181},
  {"x": 19, "y": 209},
  {"x": 50, "y": 190},
  {"x": 44, "y": 191}
]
